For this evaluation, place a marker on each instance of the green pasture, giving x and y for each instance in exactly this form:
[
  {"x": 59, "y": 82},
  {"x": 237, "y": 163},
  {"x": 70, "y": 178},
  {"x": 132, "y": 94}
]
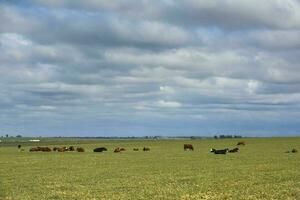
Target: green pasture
[{"x": 261, "y": 170}]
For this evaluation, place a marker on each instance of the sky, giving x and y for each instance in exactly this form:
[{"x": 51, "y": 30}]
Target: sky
[{"x": 137, "y": 68}]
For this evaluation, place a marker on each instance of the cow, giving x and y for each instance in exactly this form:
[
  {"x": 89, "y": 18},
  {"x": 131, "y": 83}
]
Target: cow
[
  {"x": 61, "y": 149},
  {"x": 43, "y": 149},
  {"x": 188, "y": 146},
  {"x": 292, "y": 151},
  {"x": 241, "y": 143},
  {"x": 146, "y": 149},
  {"x": 80, "y": 149},
  {"x": 135, "y": 149},
  {"x": 220, "y": 151},
  {"x": 233, "y": 150},
  {"x": 55, "y": 148},
  {"x": 33, "y": 149},
  {"x": 100, "y": 149},
  {"x": 71, "y": 148},
  {"x": 19, "y": 146},
  {"x": 122, "y": 149},
  {"x": 117, "y": 150}
]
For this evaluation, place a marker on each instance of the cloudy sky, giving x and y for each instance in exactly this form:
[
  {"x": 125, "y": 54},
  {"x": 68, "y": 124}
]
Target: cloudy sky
[{"x": 135, "y": 68}]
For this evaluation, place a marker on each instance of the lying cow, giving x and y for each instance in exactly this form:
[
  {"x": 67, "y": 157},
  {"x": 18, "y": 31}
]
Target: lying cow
[
  {"x": 233, "y": 150},
  {"x": 293, "y": 151},
  {"x": 241, "y": 143},
  {"x": 100, "y": 149},
  {"x": 146, "y": 149},
  {"x": 117, "y": 150},
  {"x": 80, "y": 149},
  {"x": 188, "y": 146},
  {"x": 43, "y": 149},
  {"x": 122, "y": 149},
  {"x": 71, "y": 148},
  {"x": 135, "y": 149},
  {"x": 220, "y": 151}
]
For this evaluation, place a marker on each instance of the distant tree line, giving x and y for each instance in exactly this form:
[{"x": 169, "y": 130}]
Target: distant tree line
[{"x": 227, "y": 136}]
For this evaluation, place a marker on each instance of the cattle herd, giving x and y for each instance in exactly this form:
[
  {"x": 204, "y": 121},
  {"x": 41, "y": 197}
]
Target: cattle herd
[
  {"x": 121, "y": 149},
  {"x": 78, "y": 149},
  {"x": 57, "y": 149}
]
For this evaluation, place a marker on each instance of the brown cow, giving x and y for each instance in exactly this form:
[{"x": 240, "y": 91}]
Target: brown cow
[
  {"x": 43, "y": 149},
  {"x": 80, "y": 149},
  {"x": 188, "y": 146},
  {"x": 241, "y": 143},
  {"x": 117, "y": 150},
  {"x": 122, "y": 149},
  {"x": 33, "y": 149},
  {"x": 71, "y": 148}
]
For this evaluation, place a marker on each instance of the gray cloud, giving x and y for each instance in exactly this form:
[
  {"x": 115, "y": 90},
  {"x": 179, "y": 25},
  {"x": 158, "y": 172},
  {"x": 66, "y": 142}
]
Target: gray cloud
[{"x": 106, "y": 68}]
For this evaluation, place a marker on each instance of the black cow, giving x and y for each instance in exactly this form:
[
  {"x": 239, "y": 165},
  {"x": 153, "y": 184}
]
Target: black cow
[
  {"x": 233, "y": 150},
  {"x": 135, "y": 149},
  {"x": 100, "y": 149},
  {"x": 220, "y": 151},
  {"x": 188, "y": 146},
  {"x": 146, "y": 149},
  {"x": 292, "y": 151},
  {"x": 19, "y": 146}
]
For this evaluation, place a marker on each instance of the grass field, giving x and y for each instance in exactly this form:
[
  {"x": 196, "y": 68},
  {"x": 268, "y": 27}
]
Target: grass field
[{"x": 261, "y": 170}]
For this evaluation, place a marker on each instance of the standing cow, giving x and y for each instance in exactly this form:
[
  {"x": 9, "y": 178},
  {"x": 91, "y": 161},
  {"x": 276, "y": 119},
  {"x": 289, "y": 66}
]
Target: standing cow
[{"x": 188, "y": 146}]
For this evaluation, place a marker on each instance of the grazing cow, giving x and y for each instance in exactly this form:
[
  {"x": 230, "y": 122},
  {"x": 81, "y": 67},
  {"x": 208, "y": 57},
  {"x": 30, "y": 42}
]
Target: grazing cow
[
  {"x": 117, "y": 150},
  {"x": 100, "y": 149},
  {"x": 146, "y": 149},
  {"x": 188, "y": 146},
  {"x": 80, "y": 149},
  {"x": 135, "y": 149},
  {"x": 220, "y": 151},
  {"x": 294, "y": 150},
  {"x": 241, "y": 143},
  {"x": 233, "y": 150}
]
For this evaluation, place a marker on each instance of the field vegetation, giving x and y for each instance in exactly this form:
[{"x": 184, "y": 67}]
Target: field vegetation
[{"x": 261, "y": 170}]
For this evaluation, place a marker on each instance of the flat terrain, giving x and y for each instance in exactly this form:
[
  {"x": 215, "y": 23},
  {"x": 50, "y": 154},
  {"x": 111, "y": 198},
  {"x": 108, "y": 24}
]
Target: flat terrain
[{"x": 261, "y": 170}]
